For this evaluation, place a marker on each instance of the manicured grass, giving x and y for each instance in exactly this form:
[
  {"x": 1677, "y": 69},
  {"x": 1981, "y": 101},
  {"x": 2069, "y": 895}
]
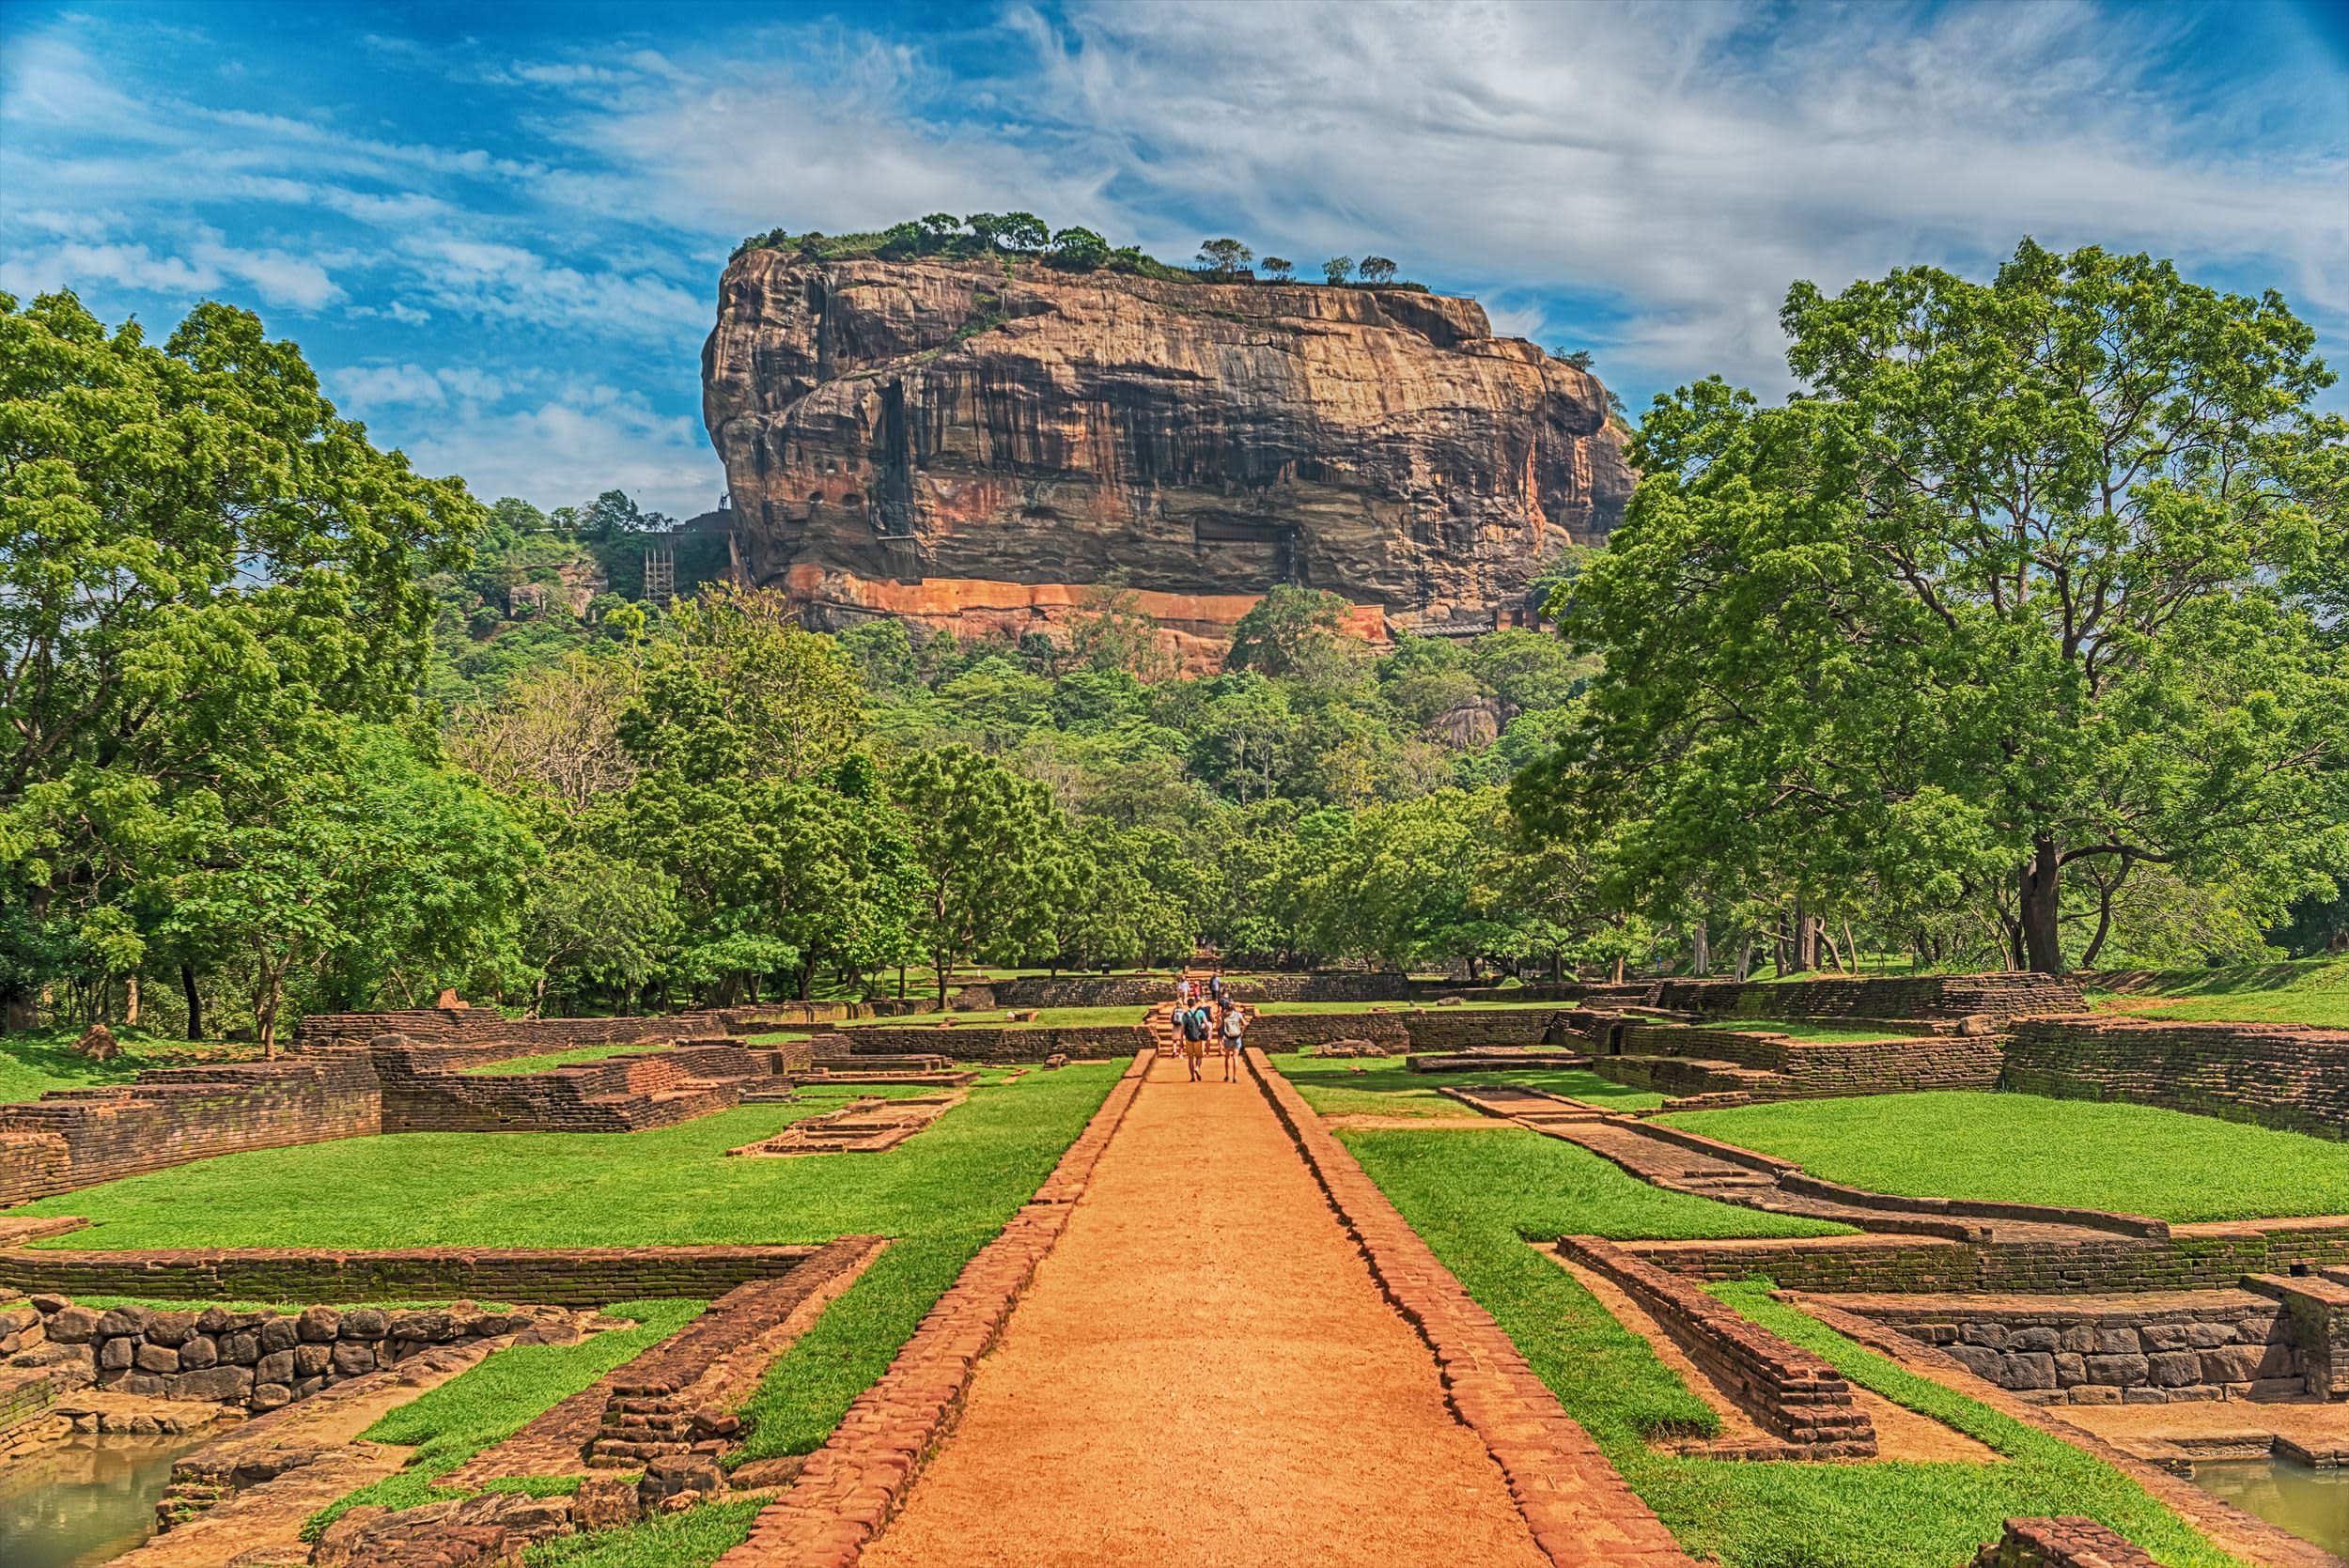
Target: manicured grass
[
  {"x": 1798, "y": 1029},
  {"x": 694, "y": 1539},
  {"x": 2310, "y": 991},
  {"x": 1384, "y": 1087},
  {"x": 1477, "y": 1199},
  {"x": 2133, "y": 1159},
  {"x": 490, "y": 1402},
  {"x": 32, "y": 1064},
  {"x": 514, "y": 1066},
  {"x": 971, "y": 1169}
]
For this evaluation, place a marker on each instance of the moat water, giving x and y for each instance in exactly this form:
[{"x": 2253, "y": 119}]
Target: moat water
[
  {"x": 2312, "y": 1504},
  {"x": 85, "y": 1503}
]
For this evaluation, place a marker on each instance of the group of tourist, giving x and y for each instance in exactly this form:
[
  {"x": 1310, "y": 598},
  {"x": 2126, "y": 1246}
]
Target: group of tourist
[{"x": 1206, "y": 1013}]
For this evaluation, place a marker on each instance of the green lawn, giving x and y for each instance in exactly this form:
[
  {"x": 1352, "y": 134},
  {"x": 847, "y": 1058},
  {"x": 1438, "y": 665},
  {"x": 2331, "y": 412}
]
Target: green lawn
[
  {"x": 694, "y": 1539},
  {"x": 32, "y": 1064},
  {"x": 1796, "y": 1029},
  {"x": 515, "y": 1065},
  {"x": 1477, "y": 1199},
  {"x": 943, "y": 1194},
  {"x": 490, "y": 1402},
  {"x": 2310, "y": 991},
  {"x": 2133, "y": 1159},
  {"x": 1272, "y": 1008},
  {"x": 1384, "y": 1087}
]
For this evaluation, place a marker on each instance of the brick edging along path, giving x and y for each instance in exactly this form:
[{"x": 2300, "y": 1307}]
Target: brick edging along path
[
  {"x": 858, "y": 1478},
  {"x": 1582, "y": 1513}
]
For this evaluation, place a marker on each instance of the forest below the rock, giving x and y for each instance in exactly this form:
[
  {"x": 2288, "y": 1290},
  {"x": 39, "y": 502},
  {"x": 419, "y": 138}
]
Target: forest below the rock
[{"x": 2017, "y": 641}]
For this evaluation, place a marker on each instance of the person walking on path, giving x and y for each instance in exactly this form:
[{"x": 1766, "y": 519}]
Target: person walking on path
[
  {"x": 1194, "y": 1039},
  {"x": 1234, "y": 1022}
]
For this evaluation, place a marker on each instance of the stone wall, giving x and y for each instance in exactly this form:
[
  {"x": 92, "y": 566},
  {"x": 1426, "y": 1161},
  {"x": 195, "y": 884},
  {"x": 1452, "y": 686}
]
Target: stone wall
[
  {"x": 1430, "y": 1028},
  {"x": 1673, "y": 1059},
  {"x": 2192, "y": 1257},
  {"x": 1127, "y": 990},
  {"x": 988, "y": 1042},
  {"x": 2169, "y": 1347},
  {"x": 623, "y": 1093},
  {"x": 488, "y": 1029},
  {"x": 2276, "y": 1075},
  {"x": 560, "y": 1277},
  {"x": 1947, "y": 996},
  {"x": 258, "y": 1360},
  {"x": 1789, "y": 1392},
  {"x": 77, "y": 1138},
  {"x": 2070, "y": 1542}
]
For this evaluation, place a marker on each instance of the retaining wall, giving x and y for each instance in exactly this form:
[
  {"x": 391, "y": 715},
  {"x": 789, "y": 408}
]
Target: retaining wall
[
  {"x": 2069, "y": 1542},
  {"x": 560, "y": 1277},
  {"x": 625, "y": 1093},
  {"x": 260, "y": 1360},
  {"x": 2275, "y": 1075},
  {"x": 488, "y": 1027},
  {"x": 2169, "y": 1347},
  {"x": 1789, "y": 1392},
  {"x": 77, "y": 1138},
  {"x": 2191, "y": 1257},
  {"x": 988, "y": 1042},
  {"x": 1943, "y": 997},
  {"x": 1673, "y": 1059},
  {"x": 1122, "y": 991},
  {"x": 1431, "y": 1030}
]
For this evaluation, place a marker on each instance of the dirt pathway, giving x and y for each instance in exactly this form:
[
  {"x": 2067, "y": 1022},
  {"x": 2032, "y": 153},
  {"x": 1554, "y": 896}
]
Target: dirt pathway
[{"x": 1204, "y": 1373}]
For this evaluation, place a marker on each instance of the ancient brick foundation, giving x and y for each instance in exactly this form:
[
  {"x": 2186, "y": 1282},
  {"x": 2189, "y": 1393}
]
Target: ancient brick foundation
[
  {"x": 488, "y": 1027},
  {"x": 2275, "y": 1075},
  {"x": 988, "y": 1042},
  {"x": 1429, "y": 1029},
  {"x": 562, "y": 1277},
  {"x": 2164, "y": 1348},
  {"x": 623, "y": 1093},
  {"x": 1118, "y": 991},
  {"x": 1789, "y": 1392},
  {"x": 1682, "y": 1061},
  {"x": 2063, "y": 1543},
  {"x": 2191, "y": 1257},
  {"x": 79, "y": 1137}
]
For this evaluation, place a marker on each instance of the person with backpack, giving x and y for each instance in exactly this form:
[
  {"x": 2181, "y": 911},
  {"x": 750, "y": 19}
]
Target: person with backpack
[
  {"x": 1235, "y": 1022},
  {"x": 1194, "y": 1022}
]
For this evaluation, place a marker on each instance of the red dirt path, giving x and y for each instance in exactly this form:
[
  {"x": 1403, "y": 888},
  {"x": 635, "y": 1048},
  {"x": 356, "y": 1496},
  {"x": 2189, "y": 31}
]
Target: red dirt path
[{"x": 1204, "y": 1373}]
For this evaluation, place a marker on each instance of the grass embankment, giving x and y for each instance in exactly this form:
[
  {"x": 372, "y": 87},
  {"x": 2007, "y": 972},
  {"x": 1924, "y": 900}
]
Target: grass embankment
[
  {"x": 1477, "y": 1199},
  {"x": 2309, "y": 991},
  {"x": 2088, "y": 1154},
  {"x": 1384, "y": 1087},
  {"x": 1271, "y": 1008},
  {"x": 943, "y": 1194},
  {"x": 31, "y": 1065},
  {"x": 514, "y": 1066},
  {"x": 490, "y": 1402},
  {"x": 694, "y": 1539}
]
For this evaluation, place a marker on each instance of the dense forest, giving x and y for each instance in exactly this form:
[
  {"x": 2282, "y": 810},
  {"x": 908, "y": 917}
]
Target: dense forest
[{"x": 2016, "y": 639}]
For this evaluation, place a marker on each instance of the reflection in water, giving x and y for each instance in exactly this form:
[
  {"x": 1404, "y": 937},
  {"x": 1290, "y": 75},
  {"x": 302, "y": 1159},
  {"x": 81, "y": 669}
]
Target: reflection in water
[
  {"x": 85, "y": 1502},
  {"x": 2312, "y": 1504}
]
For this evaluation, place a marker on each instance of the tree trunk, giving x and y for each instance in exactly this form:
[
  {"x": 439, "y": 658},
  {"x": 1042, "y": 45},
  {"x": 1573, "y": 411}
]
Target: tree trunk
[
  {"x": 1806, "y": 940},
  {"x": 901, "y": 981},
  {"x": 2042, "y": 905},
  {"x": 1700, "y": 952},
  {"x": 1618, "y": 971},
  {"x": 1745, "y": 958},
  {"x": 130, "y": 1001},
  {"x": 939, "y": 959},
  {"x": 195, "y": 1001}
]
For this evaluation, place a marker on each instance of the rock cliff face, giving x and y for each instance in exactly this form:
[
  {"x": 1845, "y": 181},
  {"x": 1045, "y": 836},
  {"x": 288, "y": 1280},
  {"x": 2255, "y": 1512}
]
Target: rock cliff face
[{"x": 970, "y": 444}]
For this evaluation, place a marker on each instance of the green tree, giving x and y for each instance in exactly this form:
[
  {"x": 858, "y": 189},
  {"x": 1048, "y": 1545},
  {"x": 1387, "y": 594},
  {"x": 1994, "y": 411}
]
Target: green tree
[
  {"x": 593, "y": 921},
  {"x": 1284, "y": 631},
  {"x": 1277, "y": 268},
  {"x": 1377, "y": 269},
  {"x": 1024, "y": 232},
  {"x": 982, "y": 843},
  {"x": 1080, "y": 250},
  {"x": 1337, "y": 269},
  {"x": 987, "y": 227},
  {"x": 1227, "y": 260},
  {"x": 2001, "y": 599}
]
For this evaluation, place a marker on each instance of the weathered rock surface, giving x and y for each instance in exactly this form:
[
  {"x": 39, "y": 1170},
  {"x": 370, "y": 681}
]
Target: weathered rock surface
[{"x": 969, "y": 443}]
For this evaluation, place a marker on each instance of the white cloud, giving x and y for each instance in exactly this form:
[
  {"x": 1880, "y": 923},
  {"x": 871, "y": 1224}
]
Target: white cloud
[
  {"x": 494, "y": 279},
  {"x": 565, "y": 452}
]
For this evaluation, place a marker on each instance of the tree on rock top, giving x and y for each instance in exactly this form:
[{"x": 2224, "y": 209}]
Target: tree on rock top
[
  {"x": 1226, "y": 258},
  {"x": 2009, "y": 599}
]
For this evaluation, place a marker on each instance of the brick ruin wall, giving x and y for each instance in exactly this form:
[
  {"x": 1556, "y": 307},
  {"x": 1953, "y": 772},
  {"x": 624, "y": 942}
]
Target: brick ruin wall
[
  {"x": 2174, "y": 1348},
  {"x": 1937, "y": 997},
  {"x": 2192, "y": 1257},
  {"x": 2275, "y": 1075},
  {"x": 1431, "y": 1030},
  {"x": 1669, "y": 1059},
  {"x": 556, "y": 1277},
  {"x": 168, "y": 1116},
  {"x": 1118, "y": 991},
  {"x": 988, "y": 1042},
  {"x": 625, "y": 1093},
  {"x": 2069, "y": 1542},
  {"x": 1790, "y": 1393}
]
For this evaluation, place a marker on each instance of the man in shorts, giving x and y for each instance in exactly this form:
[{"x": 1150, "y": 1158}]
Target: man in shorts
[
  {"x": 1195, "y": 1028},
  {"x": 1234, "y": 1022}
]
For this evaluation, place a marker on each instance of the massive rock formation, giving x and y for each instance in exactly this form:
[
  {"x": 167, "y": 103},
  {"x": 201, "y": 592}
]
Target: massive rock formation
[{"x": 972, "y": 442}]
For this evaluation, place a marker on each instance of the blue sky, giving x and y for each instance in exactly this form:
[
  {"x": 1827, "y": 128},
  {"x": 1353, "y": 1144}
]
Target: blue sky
[{"x": 496, "y": 228}]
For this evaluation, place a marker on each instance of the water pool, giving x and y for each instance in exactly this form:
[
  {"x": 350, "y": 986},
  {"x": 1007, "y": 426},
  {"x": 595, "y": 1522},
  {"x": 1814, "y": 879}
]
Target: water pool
[
  {"x": 2312, "y": 1504},
  {"x": 85, "y": 1502}
]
